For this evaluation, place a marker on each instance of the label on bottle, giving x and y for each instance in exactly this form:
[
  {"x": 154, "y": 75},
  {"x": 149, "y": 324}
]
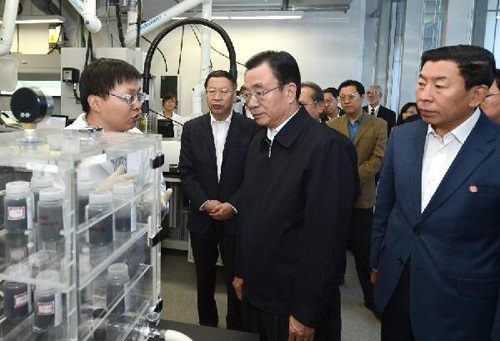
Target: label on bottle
[
  {"x": 20, "y": 300},
  {"x": 16, "y": 212},
  {"x": 45, "y": 308},
  {"x": 17, "y": 254}
]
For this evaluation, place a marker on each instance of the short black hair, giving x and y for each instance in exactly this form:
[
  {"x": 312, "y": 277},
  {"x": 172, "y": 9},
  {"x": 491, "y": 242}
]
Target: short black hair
[
  {"x": 497, "y": 78},
  {"x": 318, "y": 93},
  {"x": 476, "y": 64},
  {"x": 169, "y": 96},
  {"x": 283, "y": 65},
  {"x": 359, "y": 87},
  {"x": 103, "y": 75},
  {"x": 219, "y": 74},
  {"x": 331, "y": 90}
]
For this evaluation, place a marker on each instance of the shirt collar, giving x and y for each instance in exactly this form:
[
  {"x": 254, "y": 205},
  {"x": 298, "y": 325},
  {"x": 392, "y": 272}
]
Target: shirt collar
[
  {"x": 462, "y": 131},
  {"x": 374, "y": 108},
  {"x": 227, "y": 120},
  {"x": 360, "y": 118},
  {"x": 271, "y": 133}
]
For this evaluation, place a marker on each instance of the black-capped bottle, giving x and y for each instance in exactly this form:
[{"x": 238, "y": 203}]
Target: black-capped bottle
[
  {"x": 50, "y": 214},
  {"x": 18, "y": 207},
  {"x": 101, "y": 232}
]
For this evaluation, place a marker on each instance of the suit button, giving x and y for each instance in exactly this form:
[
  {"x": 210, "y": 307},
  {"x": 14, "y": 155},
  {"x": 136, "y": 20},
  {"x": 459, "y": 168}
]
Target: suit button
[
  {"x": 417, "y": 231},
  {"x": 401, "y": 261}
]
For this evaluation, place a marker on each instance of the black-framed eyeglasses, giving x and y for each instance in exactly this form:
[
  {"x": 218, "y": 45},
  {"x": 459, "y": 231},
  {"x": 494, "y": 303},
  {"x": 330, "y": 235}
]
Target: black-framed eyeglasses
[
  {"x": 131, "y": 99},
  {"x": 258, "y": 95}
]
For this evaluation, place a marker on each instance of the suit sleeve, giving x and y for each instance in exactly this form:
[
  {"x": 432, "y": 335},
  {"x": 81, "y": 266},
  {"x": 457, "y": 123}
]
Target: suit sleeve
[
  {"x": 187, "y": 168},
  {"x": 329, "y": 193},
  {"x": 385, "y": 201},
  {"x": 370, "y": 167}
]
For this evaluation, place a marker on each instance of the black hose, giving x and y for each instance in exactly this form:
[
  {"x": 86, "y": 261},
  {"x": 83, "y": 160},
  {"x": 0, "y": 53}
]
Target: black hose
[
  {"x": 139, "y": 20},
  {"x": 188, "y": 21},
  {"x": 119, "y": 23}
]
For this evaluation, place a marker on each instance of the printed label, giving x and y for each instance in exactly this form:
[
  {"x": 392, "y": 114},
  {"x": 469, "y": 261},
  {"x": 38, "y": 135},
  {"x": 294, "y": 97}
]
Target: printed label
[
  {"x": 45, "y": 308},
  {"x": 18, "y": 254},
  {"x": 16, "y": 212},
  {"x": 20, "y": 300}
]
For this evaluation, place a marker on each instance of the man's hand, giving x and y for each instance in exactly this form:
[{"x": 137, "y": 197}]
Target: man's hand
[
  {"x": 299, "y": 332},
  {"x": 373, "y": 276},
  {"x": 118, "y": 176},
  {"x": 238, "y": 287},
  {"x": 222, "y": 211},
  {"x": 210, "y": 206}
]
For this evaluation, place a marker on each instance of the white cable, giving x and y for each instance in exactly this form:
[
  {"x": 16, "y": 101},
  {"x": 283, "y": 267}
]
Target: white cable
[{"x": 9, "y": 23}]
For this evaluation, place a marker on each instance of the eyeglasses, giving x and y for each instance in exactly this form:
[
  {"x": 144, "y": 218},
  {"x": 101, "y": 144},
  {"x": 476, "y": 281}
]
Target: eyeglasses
[
  {"x": 374, "y": 92},
  {"x": 305, "y": 104},
  {"x": 222, "y": 92},
  {"x": 258, "y": 95},
  {"x": 350, "y": 97},
  {"x": 131, "y": 99},
  {"x": 489, "y": 95}
]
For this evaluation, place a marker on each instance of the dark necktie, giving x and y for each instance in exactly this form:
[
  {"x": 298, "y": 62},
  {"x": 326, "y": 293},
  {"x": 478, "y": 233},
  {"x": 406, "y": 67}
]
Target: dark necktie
[{"x": 373, "y": 112}]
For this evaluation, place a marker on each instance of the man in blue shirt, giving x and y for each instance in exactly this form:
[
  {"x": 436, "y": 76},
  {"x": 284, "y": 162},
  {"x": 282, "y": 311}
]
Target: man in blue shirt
[{"x": 369, "y": 136}]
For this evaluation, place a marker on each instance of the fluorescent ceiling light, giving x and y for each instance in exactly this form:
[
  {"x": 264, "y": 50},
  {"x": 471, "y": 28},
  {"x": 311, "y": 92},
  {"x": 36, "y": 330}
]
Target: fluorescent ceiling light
[
  {"x": 261, "y": 15},
  {"x": 47, "y": 19}
]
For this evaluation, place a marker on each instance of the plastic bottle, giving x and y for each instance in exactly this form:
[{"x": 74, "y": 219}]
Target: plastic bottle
[
  {"x": 18, "y": 206},
  {"x": 84, "y": 186},
  {"x": 17, "y": 295},
  {"x": 48, "y": 303},
  {"x": 16, "y": 247},
  {"x": 50, "y": 214},
  {"x": 125, "y": 217},
  {"x": 101, "y": 233},
  {"x": 115, "y": 285},
  {"x": 39, "y": 182}
]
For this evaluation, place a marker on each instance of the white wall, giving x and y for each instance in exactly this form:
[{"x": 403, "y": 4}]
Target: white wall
[{"x": 326, "y": 46}]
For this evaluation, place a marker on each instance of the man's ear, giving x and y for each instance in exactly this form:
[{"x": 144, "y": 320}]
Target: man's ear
[
  {"x": 291, "y": 92},
  {"x": 321, "y": 106},
  {"x": 478, "y": 95},
  {"x": 94, "y": 103}
]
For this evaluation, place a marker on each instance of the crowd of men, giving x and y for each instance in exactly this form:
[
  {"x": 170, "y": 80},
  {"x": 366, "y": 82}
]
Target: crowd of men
[{"x": 283, "y": 195}]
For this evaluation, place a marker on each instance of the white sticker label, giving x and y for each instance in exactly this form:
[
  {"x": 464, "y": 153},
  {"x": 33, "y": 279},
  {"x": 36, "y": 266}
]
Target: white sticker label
[
  {"x": 20, "y": 300},
  {"x": 16, "y": 212},
  {"x": 45, "y": 308}
]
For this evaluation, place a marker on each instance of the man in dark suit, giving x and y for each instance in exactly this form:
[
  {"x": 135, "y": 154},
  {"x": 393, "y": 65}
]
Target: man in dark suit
[
  {"x": 299, "y": 186},
  {"x": 435, "y": 238},
  {"x": 331, "y": 108},
  {"x": 212, "y": 160},
  {"x": 374, "y": 95}
]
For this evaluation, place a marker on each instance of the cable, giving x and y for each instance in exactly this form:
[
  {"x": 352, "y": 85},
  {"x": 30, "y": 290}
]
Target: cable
[
  {"x": 213, "y": 48},
  {"x": 180, "y": 53},
  {"x": 56, "y": 45},
  {"x": 90, "y": 50},
  {"x": 77, "y": 98},
  {"x": 138, "y": 23},
  {"x": 165, "y": 117},
  {"x": 158, "y": 49},
  {"x": 119, "y": 23}
]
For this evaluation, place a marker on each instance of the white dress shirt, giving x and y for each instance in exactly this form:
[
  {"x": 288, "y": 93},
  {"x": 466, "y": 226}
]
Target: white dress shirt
[
  {"x": 271, "y": 133},
  {"x": 219, "y": 131},
  {"x": 439, "y": 154}
]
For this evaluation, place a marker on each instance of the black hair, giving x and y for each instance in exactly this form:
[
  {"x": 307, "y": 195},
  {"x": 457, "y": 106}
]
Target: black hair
[
  {"x": 404, "y": 109},
  {"x": 169, "y": 96},
  {"x": 331, "y": 90},
  {"x": 103, "y": 75},
  {"x": 359, "y": 87},
  {"x": 219, "y": 74},
  {"x": 476, "y": 64},
  {"x": 284, "y": 67},
  {"x": 318, "y": 93},
  {"x": 497, "y": 78}
]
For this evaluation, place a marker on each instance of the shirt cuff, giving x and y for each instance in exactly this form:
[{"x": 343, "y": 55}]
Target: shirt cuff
[
  {"x": 234, "y": 209},
  {"x": 201, "y": 207}
]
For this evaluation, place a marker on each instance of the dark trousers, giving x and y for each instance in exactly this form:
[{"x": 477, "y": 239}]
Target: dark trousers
[
  {"x": 360, "y": 237},
  {"x": 274, "y": 327},
  {"x": 205, "y": 254},
  {"x": 396, "y": 315}
]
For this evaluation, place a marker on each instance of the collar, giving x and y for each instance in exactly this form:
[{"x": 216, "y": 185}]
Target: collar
[
  {"x": 271, "y": 133},
  {"x": 227, "y": 120},
  {"x": 291, "y": 131},
  {"x": 374, "y": 108},
  {"x": 360, "y": 118},
  {"x": 462, "y": 131}
]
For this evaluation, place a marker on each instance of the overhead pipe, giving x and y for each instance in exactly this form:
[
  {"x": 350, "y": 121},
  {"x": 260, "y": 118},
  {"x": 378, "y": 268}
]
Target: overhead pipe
[
  {"x": 9, "y": 23},
  {"x": 87, "y": 9}
]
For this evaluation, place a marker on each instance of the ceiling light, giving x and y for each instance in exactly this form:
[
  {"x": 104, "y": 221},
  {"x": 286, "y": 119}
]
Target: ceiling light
[{"x": 47, "y": 19}]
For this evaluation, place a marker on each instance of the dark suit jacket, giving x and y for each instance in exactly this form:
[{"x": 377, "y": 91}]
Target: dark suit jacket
[
  {"x": 198, "y": 167},
  {"x": 453, "y": 246},
  {"x": 298, "y": 196},
  {"x": 386, "y": 114}
]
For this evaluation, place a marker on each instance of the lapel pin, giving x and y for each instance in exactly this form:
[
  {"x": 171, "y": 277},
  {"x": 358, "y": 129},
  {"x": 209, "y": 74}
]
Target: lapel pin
[{"x": 473, "y": 188}]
